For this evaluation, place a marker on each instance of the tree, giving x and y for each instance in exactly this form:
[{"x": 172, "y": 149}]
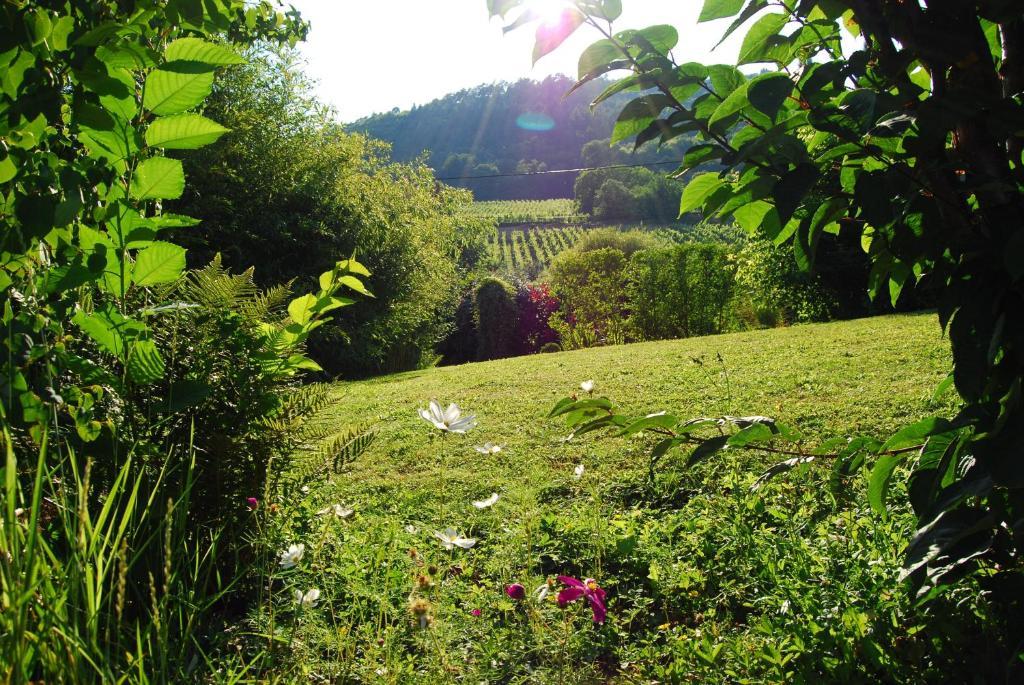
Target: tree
[{"x": 912, "y": 141}]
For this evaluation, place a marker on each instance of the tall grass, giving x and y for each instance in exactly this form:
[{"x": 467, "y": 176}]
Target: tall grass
[{"x": 102, "y": 587}]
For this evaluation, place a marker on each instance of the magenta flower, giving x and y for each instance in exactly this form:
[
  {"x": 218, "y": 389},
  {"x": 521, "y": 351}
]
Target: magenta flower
[
  {"x": 476, "y": 612},
  {"x": 252, "y": 503},
  {"x": 516, "y": 591},
  {"x": 589, "y": 589}
]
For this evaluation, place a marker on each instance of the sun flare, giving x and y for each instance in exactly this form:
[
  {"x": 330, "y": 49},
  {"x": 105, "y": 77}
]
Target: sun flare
[{"x": 548, "y": 11}]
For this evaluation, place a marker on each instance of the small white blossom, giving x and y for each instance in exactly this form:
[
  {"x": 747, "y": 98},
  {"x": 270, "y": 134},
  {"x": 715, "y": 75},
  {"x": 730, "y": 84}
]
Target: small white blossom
[
  {"x": 488, "y": 448},
  {"x": 304, "y": 489},
  {"x": 587, "y": 386},
  {"x": 292, "y": 555},
  {"x": 307, "y": 600},
  {"x": 577, "y": 472},
  {"x": 411, "y": 529},
  {"x": 449, "y": 420},
  {"x": 541, "y": 593},
  {"x": 489, "y": 502},
  {"x": 337, "y": 510},
  {"x": 449, "y": 538}
]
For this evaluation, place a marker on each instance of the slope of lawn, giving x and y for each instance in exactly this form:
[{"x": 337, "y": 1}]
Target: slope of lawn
[{"x": 706, "y": 580}]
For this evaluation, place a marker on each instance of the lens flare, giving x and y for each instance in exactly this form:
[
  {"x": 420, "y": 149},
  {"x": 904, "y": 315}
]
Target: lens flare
[{"x": 535, "y": 121}]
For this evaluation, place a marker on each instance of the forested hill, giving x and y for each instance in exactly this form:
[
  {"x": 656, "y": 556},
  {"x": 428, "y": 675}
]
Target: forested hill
[{"x": 509, "y": 128}]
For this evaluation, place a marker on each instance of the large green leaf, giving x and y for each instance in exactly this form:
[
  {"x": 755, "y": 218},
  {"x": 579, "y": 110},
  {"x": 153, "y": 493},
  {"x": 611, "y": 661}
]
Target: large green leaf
[
  {"x": 145, "y": 365},
  {"x": 661, "y": 38},
  {"x": 718, "y": 9},
  {"x": 768, "y": 92},
  {"x": 597, "y": 56},
  {"x": 158, "y": 178},
  {"x": 762, "y": 39},
  {"x": 198, "y": 50},
  {"x": 111, "y": 330},
  {"x": 176, "y": 87},
  {"x": 736, "y": 101},
  {"x": 638, "y": 115},
  {"x": 183, "y": 132},
  {"x": 159, "y": 263},
  {"x": 697, "y": 190}
]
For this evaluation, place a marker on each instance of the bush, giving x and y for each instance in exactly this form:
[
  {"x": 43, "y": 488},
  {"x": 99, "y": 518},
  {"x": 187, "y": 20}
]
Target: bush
[
  {"x": 496, "y": 319},
  {"x": 626, "y": 242},
  {"x": 680, "y": 291},
  {"x": 590, "y": 286},
  {"x": 535, "y": 305},
  {"x": 547, "y": 348},
  {"x": 772, "y": 289},
  {"x": 288, "y": 181}
]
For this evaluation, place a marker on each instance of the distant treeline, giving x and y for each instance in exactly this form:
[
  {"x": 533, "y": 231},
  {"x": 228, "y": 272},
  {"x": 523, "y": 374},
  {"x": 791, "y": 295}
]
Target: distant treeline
[{"x": 514, "y": 128}]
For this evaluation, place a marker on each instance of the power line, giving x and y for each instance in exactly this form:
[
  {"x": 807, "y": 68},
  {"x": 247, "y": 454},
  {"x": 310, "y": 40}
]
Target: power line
[{"x": 559, "y": 171}]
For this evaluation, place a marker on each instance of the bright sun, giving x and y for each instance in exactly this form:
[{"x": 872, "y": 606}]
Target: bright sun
[{"x": 548, "y": 11}]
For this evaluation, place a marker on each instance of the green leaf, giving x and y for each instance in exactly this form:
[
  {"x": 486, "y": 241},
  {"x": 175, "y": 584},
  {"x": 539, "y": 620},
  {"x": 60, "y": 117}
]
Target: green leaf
[
  {"x": 610, "y": 10},
  {"x": 580, "y": 405},
  {"x": 762, "y": 38},
  {"x": 62, "y": 28},
  {"x": 792, "y": 188},
  {"x": 736, "y": 101},
  {"x": 598, "y": 55},
  {"x": 707, "y": 448},
  {"x": 661, "y": 38},
  {"x": 719, "y": 9},
  {"x": 176, "y": 87},
  {"x": 725, "y": 79},
  {"x": 183, "y": 132},
  {"x": 550, "y": 35},
  {"x": 757, "y": 432},
  {"x": 145, "y": 365},
  {"x": 661, "y": 420},
  {"x": 159, "y": 263},
  {"x": 915, "y": 433},
  {"x": 878, "y": 482},
  {"x": 697, "y": 190},
  {"x": 638, "y": 115},
  {"x": 109, "y": 329},
  {"x": 158, "y": 178},
  {"x": 301, "y": 308},
  {"x": 626, "y": 83},
  {"x": 198, "y": 50},
  {"x": 769, "y": 91},
  {"x": 750, "y": 216},
  {"x": 354, "y": 283}
]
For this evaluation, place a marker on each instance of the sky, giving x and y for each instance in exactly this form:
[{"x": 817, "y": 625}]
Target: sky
[{"x": 373, "y": 55}]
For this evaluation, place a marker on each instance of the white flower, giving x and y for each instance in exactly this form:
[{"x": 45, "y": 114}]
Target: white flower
[
  {"x": 449, "y": 538},
  {"x": 304, "y": 489},
  {"x": 577, "y": 472},
  {"x": 336, "y": 509},
  {"x": 308, "y": 600},
  {"x": 292, "y": 555},
  {"x": 488, "y": 448},
  {"x": 587, "y": 386},
  {"x": 411, "y": 529},
  {"x": 541, "y": 593},
  {"x": 449, "y": 420},
  {"x": 489, "y": 502}
]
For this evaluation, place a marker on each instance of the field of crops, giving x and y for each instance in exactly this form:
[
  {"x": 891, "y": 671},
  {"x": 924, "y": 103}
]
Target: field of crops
[
  {"x": 529, "y": 211},
  {"x": 526, "y": 252}
]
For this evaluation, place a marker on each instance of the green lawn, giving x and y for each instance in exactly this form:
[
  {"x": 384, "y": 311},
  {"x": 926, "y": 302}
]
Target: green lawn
[{"x": 706, "y": 580}]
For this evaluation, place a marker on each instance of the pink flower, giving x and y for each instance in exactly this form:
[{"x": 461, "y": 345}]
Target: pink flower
[
  {"x": 252, "y": 503},
  {"x": 516, "y": 591},
  {"x": 476, "y": 612},
  {"x": 589, "y": 589}
]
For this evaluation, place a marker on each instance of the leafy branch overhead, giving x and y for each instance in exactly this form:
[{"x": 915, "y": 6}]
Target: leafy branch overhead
[{"x": 909, "y": 136}]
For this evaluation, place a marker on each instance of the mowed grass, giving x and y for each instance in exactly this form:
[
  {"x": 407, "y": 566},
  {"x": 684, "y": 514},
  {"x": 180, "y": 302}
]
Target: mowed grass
[{"x": 707, "y": 580}]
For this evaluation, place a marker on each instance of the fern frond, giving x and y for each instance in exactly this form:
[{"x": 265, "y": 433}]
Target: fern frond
[{"x": 333, "y": 452}]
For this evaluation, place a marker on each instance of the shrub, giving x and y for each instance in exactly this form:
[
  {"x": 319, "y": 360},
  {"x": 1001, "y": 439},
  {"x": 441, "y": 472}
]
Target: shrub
[
  {"x": 550, "y": 347},
  {"x": 535, "y": 305},
  {"x": 461, "y": 344},
  {"x": 626, "y": 242},
  {"x": 680, "y": 291},
  {"x": 496, "y": 319},
  {"x": 772, "y": 289},
  {"x": 590, "y": 286},
  {"x": 288, "y": 180}
]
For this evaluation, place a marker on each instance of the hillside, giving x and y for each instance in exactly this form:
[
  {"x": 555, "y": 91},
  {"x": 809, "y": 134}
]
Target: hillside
[
  {"x": 510, "y": 128},
  {"x": 692, "y": 555}
]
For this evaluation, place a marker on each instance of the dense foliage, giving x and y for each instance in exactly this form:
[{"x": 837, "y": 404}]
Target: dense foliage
[
  {"x": 495, "y": 316},
  {"x": 911, "y": 140},
  {"x": 289, "y": 192}
]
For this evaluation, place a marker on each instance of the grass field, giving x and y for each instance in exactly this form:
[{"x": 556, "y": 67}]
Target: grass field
[{"x": 706, "y": 580}]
